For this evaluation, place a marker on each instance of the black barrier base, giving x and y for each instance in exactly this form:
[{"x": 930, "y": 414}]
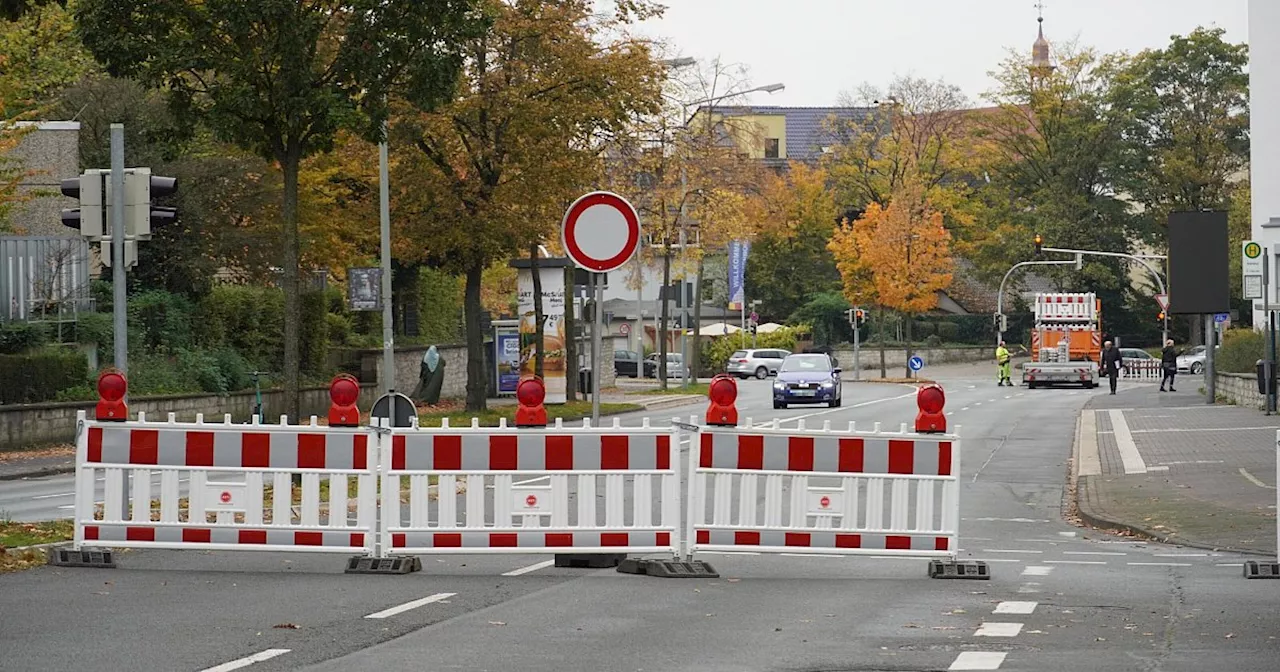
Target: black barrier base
[
  {"x": 1265, "y": 569},
  {"x": 66, "y": 557},
  {"x": 589, "y": 560},
  {"x": 398, "y": 565},
  {"x": 959, "y": 569},
  {"x": 669, "y": 569}
]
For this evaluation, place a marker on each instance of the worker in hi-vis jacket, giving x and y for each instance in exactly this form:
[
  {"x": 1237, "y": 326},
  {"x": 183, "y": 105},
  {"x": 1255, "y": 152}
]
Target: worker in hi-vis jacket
[{"x": 1002, "y": 361}]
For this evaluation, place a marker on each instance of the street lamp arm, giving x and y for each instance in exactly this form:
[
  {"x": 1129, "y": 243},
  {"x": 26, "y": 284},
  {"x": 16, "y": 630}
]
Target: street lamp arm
[
  {"x": 1120, "y": 255},
  {"x": 1000, "y": 293}
]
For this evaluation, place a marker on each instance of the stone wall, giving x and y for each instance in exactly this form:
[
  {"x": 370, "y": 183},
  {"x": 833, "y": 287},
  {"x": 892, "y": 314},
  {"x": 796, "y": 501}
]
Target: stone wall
[
  {"x": 27, "y": 425},
  {"x": 408, "y": 362},
  {"x": 869, "y": 357},
  {"x": 1240, "y": 389}
]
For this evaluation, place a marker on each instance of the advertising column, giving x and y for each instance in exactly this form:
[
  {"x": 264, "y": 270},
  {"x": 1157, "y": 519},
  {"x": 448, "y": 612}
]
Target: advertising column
[{"x": 554, "y": 364}]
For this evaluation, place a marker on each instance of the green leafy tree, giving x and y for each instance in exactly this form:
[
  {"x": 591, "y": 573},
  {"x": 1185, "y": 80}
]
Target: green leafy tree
[
  {"x": 537, "y": 93},
  {"x": 825, "y": 313},
  {"x": 40, "y": 55},
  {"x": 280, "y": 78}
]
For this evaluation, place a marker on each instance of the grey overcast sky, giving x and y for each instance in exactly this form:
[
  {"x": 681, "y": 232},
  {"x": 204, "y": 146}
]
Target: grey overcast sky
[{"x": 819, "y": 48}]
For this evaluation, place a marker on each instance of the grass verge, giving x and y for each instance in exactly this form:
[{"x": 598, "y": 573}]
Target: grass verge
[
  {"x": 15, "y": 535},
  {"x": 574, "y": 410},
  {"x": 696, "y": 388}
]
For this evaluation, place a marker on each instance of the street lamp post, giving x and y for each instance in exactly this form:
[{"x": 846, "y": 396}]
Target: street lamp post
[{"x": 684, "y": 189}]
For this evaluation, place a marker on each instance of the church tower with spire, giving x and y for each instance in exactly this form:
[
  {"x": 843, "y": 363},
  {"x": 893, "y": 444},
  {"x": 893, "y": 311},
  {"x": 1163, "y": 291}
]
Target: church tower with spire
[{"x": 1041, "y": 65}]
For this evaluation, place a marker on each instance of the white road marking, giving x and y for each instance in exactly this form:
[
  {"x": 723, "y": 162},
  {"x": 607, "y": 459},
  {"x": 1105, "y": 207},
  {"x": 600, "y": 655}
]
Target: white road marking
[
  {"x": 998, "y": 630},
  {"x": 385, "y": 613},
  {"x": 1230, "y": 564},
  {"x": 1092, "y": 553},
  {"x": 1015, "y": 608},
  {"x": 1008, "y": 396},
  {"x": 1018, "y": 394},
  {"x": 1007, "y": 520},
  {"x": 1001, "y": 560},
  {"x": 60, "y": 494},
  {"x": 247, "y": 661},
  {"x": 1151, "y": 469},
  {"x": 977, "y": 403},
  {"x": 1066, "y": 534},
  {"x": 965, "y": 408},
  {"x": 1029, "y": 587},
  {"x": 1252, "y": 479},
  {"x": 1180, "y": 555},
  {"x": 978, "y": 660},
  {"x": 740, "y": 553},
  {"x": 1036, "y": 570},
  {"x": 1090, "y": 459},
  {"x": 1075, "y": 562},
  {"x": 531, "y": 568},
  {"x": 1001, "y": 550},
  {"x": 1159, "y": 564},
  {"x": 1197, "y": 429},
  {"x": 1129, "y": 455}
]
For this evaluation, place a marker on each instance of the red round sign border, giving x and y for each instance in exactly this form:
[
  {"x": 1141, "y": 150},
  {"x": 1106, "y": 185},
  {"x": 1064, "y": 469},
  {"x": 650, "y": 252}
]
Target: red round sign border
[{"x": 571, "y": 221}]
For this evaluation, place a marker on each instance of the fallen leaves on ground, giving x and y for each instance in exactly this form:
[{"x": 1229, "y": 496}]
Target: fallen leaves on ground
[
  {"x": 287, "y": 626},
  {"x": 58, "y": 450}
]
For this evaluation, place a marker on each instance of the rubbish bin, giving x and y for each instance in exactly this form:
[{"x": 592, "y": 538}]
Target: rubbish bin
[
  {"x": 584, "y": 380},
  {"x": 1265, "y": 373}
]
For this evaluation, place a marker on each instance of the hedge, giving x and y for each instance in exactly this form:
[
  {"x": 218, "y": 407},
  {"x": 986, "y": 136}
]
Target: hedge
[
  {"x": 39, "y": 376},
  {"x": 716, "y": 353},
  {"x": 1240, "y": 351}
]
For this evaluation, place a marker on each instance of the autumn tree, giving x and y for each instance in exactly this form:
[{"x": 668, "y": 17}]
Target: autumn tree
[
  {"x": 796, "y": 213},
  {"x": 281, "y": 78},
  {"x": 536, "y": 93},
  {"x": 903, "y": 249}
]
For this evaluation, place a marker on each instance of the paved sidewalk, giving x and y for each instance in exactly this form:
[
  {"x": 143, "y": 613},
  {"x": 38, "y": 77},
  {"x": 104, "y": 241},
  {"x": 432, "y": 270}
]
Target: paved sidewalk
[{"x": 1171, "y": 467}]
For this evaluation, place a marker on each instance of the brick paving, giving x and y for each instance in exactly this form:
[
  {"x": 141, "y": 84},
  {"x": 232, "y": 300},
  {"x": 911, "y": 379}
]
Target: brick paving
[{"x": 1203, "y": 465}]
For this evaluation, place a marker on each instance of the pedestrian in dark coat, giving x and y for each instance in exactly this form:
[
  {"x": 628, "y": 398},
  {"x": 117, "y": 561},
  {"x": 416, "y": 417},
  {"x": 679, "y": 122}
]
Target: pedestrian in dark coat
[
  {"x": 1169, "y": 365},
  {"x": 1111, "y": 363}
]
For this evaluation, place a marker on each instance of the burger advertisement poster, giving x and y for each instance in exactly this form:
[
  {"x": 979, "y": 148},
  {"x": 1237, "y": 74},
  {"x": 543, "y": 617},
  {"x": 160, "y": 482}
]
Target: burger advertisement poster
[{"x": 553, "y": 337}]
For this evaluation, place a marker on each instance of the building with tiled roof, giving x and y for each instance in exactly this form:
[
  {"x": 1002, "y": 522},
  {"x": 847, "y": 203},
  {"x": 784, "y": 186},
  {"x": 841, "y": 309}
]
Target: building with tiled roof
[{"x": 778, "y": 135}]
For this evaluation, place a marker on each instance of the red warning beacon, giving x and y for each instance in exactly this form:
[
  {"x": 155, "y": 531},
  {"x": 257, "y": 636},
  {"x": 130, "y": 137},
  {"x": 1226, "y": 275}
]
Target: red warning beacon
[
  {"x": 723, "y": 392},
  {"x": 930, "y": 399},
  {"x": 344, "y": 392},
  {"x": 529, "y": 394},
  {"x": 112, "y": 387}
]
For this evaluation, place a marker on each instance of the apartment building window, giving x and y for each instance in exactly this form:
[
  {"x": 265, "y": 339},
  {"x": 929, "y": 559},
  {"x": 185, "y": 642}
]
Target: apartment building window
[{"x": 771, "y": 148}]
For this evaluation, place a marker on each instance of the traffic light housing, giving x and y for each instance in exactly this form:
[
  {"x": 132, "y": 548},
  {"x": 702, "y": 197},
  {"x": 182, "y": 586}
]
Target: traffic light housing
[
  {"x": 87, "y": 190},
  {"x": 140, "y": 188},
  {"x": 860, "y": 316},
  {"x": 1160, "y": 316},
  {"x": 1039, "y": 245}
]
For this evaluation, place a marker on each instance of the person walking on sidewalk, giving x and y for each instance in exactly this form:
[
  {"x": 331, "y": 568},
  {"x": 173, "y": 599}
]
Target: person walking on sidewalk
[
  {"x": 1111, "y": 363},
  {"x": 1169, "y": 364},
  {"x": 1002, "y": 364}
]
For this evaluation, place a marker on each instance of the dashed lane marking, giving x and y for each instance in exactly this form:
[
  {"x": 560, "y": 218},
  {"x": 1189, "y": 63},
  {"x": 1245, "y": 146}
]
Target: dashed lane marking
[
  {"x": 1029, "y": 587},
  {"x": 998, "y": 630},
  {"x": 248, "y": 660},
  {"x": 1159, "y": 564},
  {"x": 1067, "y": 534},
  {"x": 1036, "y": 570},
  {"x": 1092, "y": 553},
  {"x": 1180, "y": 555},
  {"x": 531, "y": 568},
  {"x": 1015, "y": 607},
  {"x": 1001, "y": 550},
  {"x": 978, "y": 660},
  {"x": 400, "y": 609},
  {"x": 1075, "y": 562}
]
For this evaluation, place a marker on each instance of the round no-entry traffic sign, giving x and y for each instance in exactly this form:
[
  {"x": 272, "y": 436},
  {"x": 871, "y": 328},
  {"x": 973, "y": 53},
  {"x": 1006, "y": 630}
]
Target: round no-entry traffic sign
[{"x": 600, "y": 231}]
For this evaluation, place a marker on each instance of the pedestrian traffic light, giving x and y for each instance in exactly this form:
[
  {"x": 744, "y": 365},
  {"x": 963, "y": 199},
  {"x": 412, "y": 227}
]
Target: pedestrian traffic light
[
  {"x": 1039, "y": 244},
  {"x": 87, "y": 190}
]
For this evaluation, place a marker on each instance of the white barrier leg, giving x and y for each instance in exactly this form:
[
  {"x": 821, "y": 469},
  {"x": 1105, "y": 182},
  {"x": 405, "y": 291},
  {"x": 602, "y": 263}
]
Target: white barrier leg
[{"x": 1265, "y": 569}]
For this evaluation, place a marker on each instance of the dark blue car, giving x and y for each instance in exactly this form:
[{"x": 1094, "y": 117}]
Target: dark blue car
[{"x": 807, "y": 379}]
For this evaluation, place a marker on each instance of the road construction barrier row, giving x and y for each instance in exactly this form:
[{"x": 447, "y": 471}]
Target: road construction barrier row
[{"x": 386, "y": 493}]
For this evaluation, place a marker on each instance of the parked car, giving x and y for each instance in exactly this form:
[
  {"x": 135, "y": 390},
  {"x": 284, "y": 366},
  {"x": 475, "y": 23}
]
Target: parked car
[
  {"x": 675, "y": 366},
  {"x": 1192, "y": 361},
  {"x": 626, "y": 363},
  {"x": 1136, "y": 354},
  {"x": 808, "y": 379},
  {"x": 760, "y": 363}
]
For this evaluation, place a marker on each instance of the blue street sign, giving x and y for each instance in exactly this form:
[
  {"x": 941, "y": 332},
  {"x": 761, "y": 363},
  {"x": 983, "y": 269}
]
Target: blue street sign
[
  {"x": 915, "y": 363},
  {"x": 1219, "y": 318}
]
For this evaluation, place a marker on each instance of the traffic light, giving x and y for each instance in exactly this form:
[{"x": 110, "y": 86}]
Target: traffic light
[
  {"x": 140, "y": 187},
  {"x": 860, "y": 315},
  {"x": 87, "y": 190},
  {"x": 1160, "y": 316},
  {"x": 1039, "y": 244}
]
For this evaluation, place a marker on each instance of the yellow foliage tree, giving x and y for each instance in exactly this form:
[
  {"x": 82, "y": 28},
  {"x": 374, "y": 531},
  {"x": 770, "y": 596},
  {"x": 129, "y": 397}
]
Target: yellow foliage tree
[{"x": 901, "y": 252}]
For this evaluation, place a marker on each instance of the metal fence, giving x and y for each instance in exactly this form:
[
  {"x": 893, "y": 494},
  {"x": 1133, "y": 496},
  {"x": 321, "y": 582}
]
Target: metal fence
[{"x": 44, "y": 277}]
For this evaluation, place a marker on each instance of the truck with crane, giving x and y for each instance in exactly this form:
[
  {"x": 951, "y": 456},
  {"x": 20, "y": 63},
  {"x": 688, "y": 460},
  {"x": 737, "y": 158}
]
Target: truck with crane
[{"x": 1066, "y": 341}]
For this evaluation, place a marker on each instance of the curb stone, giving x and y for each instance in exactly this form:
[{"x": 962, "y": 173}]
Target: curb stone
[{"x": 46, "y": 471}]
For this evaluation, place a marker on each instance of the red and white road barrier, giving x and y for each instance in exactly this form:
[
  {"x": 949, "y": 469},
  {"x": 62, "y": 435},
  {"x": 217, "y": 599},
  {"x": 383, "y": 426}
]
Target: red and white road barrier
[
  {"x": 1142, "y": 369},
  {"x": 532, "y": 489},
  {"x": 824, "y": 491}
]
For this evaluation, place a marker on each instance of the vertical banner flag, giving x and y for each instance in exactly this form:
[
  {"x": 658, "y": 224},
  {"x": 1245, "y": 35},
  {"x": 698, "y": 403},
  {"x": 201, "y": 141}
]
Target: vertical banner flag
[
  {"x": 553, "y": 364},
  {"x": 738, "y": 250}
]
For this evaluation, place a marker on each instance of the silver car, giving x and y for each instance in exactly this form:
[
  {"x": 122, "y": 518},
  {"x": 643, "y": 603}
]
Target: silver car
[
  {"x": 1191, "y": 361},
  {"x": 760, "y": 362}
]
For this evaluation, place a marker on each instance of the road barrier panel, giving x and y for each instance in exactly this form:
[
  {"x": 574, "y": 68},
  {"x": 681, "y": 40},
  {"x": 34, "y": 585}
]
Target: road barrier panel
[
  {"x": 497, "y": 490},
  {"x": 220, "y": 485}
]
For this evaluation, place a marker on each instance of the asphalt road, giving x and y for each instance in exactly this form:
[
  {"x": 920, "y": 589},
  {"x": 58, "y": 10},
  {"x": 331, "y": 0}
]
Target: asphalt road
[{"x": 1061, "y": 598}]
